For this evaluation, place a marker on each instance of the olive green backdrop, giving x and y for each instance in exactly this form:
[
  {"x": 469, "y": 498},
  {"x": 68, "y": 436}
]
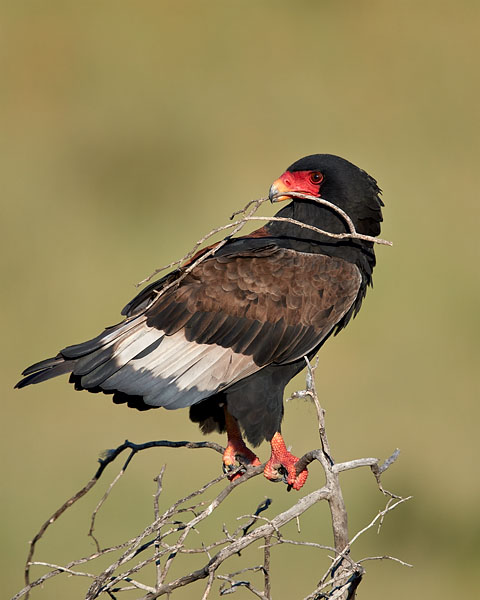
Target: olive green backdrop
[{"x": 128, "y": 130}]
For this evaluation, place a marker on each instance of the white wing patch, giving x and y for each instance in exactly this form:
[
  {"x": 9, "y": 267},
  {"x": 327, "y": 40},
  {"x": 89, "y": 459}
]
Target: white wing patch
[{"x": 176, "y": 372}]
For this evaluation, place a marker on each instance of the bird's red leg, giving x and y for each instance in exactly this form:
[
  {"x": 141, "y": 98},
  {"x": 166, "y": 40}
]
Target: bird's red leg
[
  {"x": 281, "y": 457},
  {"x": 236, "y": 446}
]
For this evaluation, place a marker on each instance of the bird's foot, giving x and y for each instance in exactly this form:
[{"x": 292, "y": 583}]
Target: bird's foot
[
  {"x": 236, "y": 447},
  {"x": 282, "y": 465}
]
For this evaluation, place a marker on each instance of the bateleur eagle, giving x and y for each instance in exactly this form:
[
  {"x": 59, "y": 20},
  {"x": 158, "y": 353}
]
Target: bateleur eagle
[{"x": 226, "y": 339}]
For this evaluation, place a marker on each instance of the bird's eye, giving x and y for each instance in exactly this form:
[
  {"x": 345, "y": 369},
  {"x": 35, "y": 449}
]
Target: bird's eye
[{"x": 316, "y": 177}]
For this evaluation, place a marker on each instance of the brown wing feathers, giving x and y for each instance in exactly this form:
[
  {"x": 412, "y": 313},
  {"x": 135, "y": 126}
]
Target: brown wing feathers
[
  {"x": 227, "y": 319},
  {"x": 275, "y": 307}
]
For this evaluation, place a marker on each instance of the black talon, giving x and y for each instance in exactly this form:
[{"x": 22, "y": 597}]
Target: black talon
[
  {"x": 284, "y": 473},
  {"x": 229, "y": 468}
]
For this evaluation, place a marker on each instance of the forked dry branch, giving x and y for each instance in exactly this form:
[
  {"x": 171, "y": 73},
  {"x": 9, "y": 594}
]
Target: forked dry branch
[{"x": 164, "y": 541}]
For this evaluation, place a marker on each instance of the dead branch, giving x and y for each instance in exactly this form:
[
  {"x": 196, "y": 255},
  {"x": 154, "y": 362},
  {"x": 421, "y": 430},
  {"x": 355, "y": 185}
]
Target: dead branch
[{"x": 164, "y": 541}]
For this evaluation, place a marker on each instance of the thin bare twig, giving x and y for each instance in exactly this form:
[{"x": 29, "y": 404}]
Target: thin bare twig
[
  {"x": 236, "y": 226},
  {"x": 235, "y": 585},
  {"x": 211, "y": 579},
  {"x": 100, "y": 504},
  {"x": 266, "y": 568},
  {"x": 156, "y": 513},
  {"x": 385, "y": 557}
]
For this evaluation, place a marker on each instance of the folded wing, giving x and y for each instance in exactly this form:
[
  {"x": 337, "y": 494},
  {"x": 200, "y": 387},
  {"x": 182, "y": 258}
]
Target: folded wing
[{"x": 228, "y": 318}]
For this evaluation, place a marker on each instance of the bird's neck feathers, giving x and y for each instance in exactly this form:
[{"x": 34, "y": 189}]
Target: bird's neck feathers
[{"x": 356, "y": 251}]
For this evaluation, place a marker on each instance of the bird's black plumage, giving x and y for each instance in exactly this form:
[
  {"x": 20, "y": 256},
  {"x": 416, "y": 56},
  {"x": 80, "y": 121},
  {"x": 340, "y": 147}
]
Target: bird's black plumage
[{"x": 234, "y": 331}]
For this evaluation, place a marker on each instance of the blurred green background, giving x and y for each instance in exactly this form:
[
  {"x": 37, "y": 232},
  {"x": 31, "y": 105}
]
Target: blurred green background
[{"x": 128, "y": 130}]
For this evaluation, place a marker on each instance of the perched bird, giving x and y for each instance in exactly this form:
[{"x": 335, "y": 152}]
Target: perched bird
[{"x": 227, "y": 338}]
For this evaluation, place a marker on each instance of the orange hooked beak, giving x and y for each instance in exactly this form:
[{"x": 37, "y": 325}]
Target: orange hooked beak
[{"x": 279, "y": 190}]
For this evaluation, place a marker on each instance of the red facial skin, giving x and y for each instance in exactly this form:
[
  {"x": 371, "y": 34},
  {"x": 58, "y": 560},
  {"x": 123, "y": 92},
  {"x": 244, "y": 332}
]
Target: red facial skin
[{"x": 304, "y": 182}]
